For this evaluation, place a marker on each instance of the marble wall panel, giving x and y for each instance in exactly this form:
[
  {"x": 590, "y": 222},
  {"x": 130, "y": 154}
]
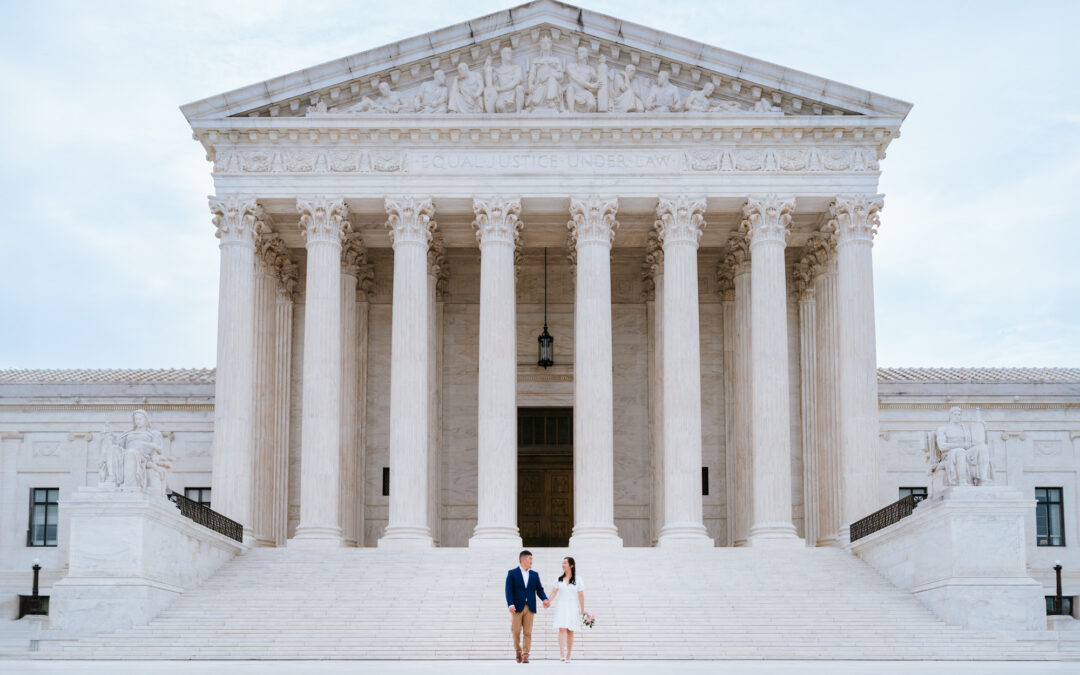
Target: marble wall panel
[
  {"x": 378, "y": 421},
  {"x": 631, "y": 413},
  {"x": 711, "y": 319}
]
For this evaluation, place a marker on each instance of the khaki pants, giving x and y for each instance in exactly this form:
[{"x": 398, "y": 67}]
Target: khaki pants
[{"x": 522, "y": 619}]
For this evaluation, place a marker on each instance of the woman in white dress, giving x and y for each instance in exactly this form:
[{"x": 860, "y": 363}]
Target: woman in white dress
[{"x": 568, "y": 595}]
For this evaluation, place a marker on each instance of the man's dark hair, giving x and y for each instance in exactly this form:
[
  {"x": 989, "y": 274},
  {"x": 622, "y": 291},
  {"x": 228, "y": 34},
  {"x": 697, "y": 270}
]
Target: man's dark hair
[{"x": 523, "y": 554}]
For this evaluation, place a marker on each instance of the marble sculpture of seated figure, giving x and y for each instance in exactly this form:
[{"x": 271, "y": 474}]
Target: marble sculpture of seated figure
[{"x": 964, "y": 452}]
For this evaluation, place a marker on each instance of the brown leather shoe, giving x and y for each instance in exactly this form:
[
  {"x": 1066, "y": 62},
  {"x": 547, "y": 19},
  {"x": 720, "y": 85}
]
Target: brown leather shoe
[{"x": 519, "y": 658}]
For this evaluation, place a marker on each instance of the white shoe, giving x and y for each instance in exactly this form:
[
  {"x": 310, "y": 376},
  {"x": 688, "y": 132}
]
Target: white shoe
[{"x": 563, "y": 659}]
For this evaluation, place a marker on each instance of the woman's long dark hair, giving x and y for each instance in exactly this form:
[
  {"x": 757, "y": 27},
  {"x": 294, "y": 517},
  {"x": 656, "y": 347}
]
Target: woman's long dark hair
[{"x": 573, "y": 571}]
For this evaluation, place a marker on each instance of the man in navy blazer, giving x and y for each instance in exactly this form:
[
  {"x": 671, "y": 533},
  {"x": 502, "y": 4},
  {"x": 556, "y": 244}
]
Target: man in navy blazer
[{"x": 522, "y": 587}]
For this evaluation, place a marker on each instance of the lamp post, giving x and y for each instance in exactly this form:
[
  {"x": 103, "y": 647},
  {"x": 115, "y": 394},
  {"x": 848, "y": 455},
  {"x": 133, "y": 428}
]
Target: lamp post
[
  {"x": 37, "y": 570},
  {"x": 1058, "y": 598},
  {"x": 547, "y": 343}
]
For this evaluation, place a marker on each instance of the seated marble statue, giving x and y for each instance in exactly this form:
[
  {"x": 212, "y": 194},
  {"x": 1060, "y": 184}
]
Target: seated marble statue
[
  {"x": 699, "y": 101},
  {"x": 135, "y": 459},
  {"x": 961, "y": 451},
  {"x": 663, "y": 96},
  {"x": 466, "y": 92},
  {"x": 433, "y": 95}
]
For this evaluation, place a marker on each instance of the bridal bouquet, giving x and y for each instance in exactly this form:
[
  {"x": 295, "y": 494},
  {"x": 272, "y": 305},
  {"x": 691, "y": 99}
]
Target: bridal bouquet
[{"x": 588, "y": 619}]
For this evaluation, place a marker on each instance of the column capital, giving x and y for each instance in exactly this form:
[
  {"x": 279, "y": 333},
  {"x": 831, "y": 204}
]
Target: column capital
[
  {"x": 737, "y": 256},
  {"x": 725, "y": 280},
  {"x": 438, "y": 266},
  {"x": 497, "y": 220},
  {"x": 802, "y": 281},
  {"x": 236, "y": 219},
  {"x": 410, "y": 220},
  {"x": 323, "y": 220},
  {"x": 680, "y": 219},
  {"x": 767, "y": 218},
  {"x": 353, "y": 254},
  {"x": 592, "y": 220},
  {"x": 855, "y": 218},
  {"x": 273, "y": 254},
  {"x": 653, "y": 264},
  {"x": 365, "y": 282}
]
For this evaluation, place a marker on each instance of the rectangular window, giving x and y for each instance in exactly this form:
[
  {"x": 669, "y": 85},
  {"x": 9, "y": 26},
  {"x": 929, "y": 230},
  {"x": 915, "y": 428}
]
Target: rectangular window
[
  {"x": 1049, "y": 517},
  {"x": 906, "y": 491},
  {"x": 386, "y": 481},
  {"x": 704, "y": 481},
  {"x": 1066, "y": 605},
  {"x": 44, "y": 506},
  {"x": 198, "y": 494}
]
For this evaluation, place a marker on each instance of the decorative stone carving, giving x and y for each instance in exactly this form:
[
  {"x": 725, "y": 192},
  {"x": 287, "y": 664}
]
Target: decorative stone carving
[
  {"x": 961, "y": 451},
  {"x": 135, "y": 459},
  {"x": 438, "y": 266},
  {"x": 504, "y": 87},
  {"x": 680, "y": 219},
  {"x": 467, "y": 92},
  {"x": 323, "y": 219},
  {"x": 353, "y": 254},
  {"x": 624, "y": 95},
  {"x": 581, "y": 90},
  {"x": 764, "y": 106},
  {"x": 410, "y": 219},
  {"x": 802, "y": 281},
  {"x": 856, "y": 218},
  {"x": 497, "y": 220},
  {"x": 235, "y": 219},
  {"x": 433, "y": 96},
  {"x": 545, "y": 80},
  {"x": 593, "y": 220},
  {"x": 663, "y": 96},
  {"x": 385, "y": 101},
  {"x": 699, "y": 101},
  {"x": 767, "y": 218},
  {"x": 653, "y": 264},
  {"x": 274, "y": 254}
]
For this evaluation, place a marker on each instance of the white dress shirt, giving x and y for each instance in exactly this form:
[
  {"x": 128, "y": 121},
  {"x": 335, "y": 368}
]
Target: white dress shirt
[{"x": 524, "y": 576}]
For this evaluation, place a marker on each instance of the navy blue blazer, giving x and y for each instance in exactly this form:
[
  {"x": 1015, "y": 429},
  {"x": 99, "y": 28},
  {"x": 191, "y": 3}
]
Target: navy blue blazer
[{"x": 519, "y": 595}]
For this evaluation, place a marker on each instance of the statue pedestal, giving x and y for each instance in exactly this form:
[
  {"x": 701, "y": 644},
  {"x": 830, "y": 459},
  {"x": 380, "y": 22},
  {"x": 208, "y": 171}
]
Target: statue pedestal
[
  {"x": 131, "y": 554},
  {"x": 963, "y": 554}
]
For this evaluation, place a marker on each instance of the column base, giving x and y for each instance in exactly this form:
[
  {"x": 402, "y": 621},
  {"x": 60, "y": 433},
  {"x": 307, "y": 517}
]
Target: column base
[
  {"x": 774, "y": 535},
  {"x": 406, "y": 537},
  {"x": 685, "y": 535},
  {"x": 595, "y": 535},
  {"x": 831, "y": 540},
  {"x": 261, "y": 542},
  {"x": 311, "y": 535},
  {"x": 495, "y": 537}
]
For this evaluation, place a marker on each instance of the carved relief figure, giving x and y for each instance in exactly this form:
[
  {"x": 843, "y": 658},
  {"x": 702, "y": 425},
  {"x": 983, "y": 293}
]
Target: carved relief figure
[
  {"x": 135, "y": 459},
  {"x": 603, "y": 86},
  {"x": 764, "y": 106},
  {"x": 698, "y": 101},
  {"x": 504, "y": 87},
  {"x": 961, "y": 450},
  {"x": 663, "y": 96},
  {"x": 624, "y": 98},
  {"x": 581, "y": 91},
  {"x": 467, "y": 92},
  {"x": 545, "y": 79},
  {"x": 433, "y": 95},
  {"x": 385, "y": 101}
]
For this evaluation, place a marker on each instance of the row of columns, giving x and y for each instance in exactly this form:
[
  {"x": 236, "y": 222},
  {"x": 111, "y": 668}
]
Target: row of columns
[
  {"x": 251, "y": 416},
  {"x": 833, "y": 283}
]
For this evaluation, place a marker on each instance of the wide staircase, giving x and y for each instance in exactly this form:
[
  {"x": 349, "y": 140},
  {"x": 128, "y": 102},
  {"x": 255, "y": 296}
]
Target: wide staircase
[{"x": 721, "y": 603}]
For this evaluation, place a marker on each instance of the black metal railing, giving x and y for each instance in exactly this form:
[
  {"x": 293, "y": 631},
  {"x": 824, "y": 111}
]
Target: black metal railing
[
  {"x": 207, "y": 517},
  {"x": 885, "y": 517}
]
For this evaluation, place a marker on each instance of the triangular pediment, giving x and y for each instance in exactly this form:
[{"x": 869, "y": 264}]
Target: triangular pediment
[{"x": 561, "y": 59}]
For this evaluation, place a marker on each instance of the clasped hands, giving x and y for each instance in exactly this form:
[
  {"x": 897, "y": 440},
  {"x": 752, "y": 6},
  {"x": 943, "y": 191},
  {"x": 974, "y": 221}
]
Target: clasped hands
[{"x": 545, "y": 603}]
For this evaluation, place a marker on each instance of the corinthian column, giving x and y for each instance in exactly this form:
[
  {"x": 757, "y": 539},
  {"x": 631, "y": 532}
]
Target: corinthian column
[
  {"x": 725, "y": 286},
  {"x": 352, "y": 257},
  {"x": 269, "y": 248},
  {"x": 323, "y": 224},
  {"x": 497, "y": 231},
  {"x": 767, "y": 222},
  {"x": 592, "y": 227},
  {"x": 803, "y": 283},
  {"x": 855, "y": 220},
  {"x": 738, "y": 258},
  {"x": 653, "y": 273},
  {"x": 288, "y": 278},
  {"x": 410, "y": 224},
  {"x": 823, "y": 249},
  {"x": 680, "y": 223},
  {"x": 235, "y": 219},
  {"x": 438, "y": 276}
]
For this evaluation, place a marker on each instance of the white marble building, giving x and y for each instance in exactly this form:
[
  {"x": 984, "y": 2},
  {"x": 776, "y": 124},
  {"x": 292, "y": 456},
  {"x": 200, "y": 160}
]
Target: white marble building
[{"x": 693, "y": 226}]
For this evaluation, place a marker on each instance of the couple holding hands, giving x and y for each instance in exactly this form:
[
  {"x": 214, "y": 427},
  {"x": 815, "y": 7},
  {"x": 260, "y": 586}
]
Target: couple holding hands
[{"x": 522, "y": 587}]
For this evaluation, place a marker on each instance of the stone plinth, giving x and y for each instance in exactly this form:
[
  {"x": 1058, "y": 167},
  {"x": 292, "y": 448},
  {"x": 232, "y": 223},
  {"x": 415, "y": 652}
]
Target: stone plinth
[
  {"x": 964, "y": 556},
  {"x": 131, "y": 555}
]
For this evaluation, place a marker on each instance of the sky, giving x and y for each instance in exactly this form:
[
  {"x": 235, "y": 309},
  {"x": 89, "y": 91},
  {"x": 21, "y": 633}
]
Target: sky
[{"x": 108, "y": 257}]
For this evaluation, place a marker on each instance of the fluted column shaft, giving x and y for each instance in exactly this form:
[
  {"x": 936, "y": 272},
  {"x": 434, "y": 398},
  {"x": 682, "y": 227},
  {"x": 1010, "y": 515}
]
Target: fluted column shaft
[
  {"x": 352, "y": 256},
  {"x": 681, "y": 222},
  {"x": 231, "y": 480},
  {"x": 727, "y": 306},
  {"x": 656, "y": 396},
  {"x": 497, "y": 229},
  {"x": 744, "y": 389},
  {"x": 808, "y": 399},
  {"x": 410, "y": 223},
  {"x": 855, "y": 220},
  {"x": 436, "y": 269},
  {"x": 593, "y": 226},
  {"x": 264, "y": 413},
  {"x": 362, "y": 311},
  {"x": 768, "y": 220},
  {"x": 323, "y": 224},
  {"x": 282, "y": 397},
  {"x": 828, "y": 405}
]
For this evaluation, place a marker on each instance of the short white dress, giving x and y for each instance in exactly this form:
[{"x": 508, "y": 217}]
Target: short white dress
[{"x": 567, "y": 607}]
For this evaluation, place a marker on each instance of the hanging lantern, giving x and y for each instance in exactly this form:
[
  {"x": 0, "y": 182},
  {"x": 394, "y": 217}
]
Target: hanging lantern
[{"x": 547, "y": 343}]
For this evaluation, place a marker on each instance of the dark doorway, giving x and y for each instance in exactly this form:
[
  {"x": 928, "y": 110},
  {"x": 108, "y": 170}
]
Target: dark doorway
[{"x": 545, "y": 475}]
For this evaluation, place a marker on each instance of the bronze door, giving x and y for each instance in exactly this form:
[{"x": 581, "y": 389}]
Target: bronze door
[{"x": 545, "y": 476}]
